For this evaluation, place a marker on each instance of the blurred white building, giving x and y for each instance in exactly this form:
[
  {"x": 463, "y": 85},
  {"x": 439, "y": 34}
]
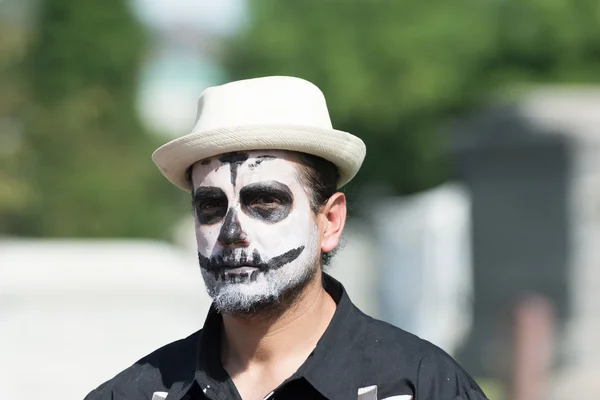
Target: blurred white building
[
  {"x": 75, "y": 313},
  {"x": 424, "y": 261}
]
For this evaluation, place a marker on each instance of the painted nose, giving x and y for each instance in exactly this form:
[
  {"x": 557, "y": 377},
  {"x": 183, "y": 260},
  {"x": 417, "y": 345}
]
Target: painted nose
[{"x": 231, "y": 232}]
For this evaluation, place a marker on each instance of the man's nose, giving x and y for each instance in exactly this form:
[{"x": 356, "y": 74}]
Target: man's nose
[{"x": 231, "y": 232}]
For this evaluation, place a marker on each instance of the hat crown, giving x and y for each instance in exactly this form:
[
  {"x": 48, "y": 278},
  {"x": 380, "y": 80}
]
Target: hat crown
[
  {"x": 269, "y": 113},
  {"x": 274, "y": 100}
]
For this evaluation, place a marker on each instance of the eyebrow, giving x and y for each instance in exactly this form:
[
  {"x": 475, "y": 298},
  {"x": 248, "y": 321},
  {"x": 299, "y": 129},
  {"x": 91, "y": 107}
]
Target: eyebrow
[
  {"x": 265, "y": 157},
  {"x": 267, "y": 188},
  {"x": 208, "y": 193}
]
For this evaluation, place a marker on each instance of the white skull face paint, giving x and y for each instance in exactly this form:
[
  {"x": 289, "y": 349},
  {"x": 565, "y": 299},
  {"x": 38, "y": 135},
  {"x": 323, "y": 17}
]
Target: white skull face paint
[{"x": 256, "y": 235}]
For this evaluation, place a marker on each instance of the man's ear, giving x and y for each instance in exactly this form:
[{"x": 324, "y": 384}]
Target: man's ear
[{"x": 332, "y": 218}]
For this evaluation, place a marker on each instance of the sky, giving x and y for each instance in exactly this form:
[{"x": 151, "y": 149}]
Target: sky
[
  {"x": 221, "y": 17},
  {"x": 172, "y": 81},
  {"x": 169, "y": 89}
]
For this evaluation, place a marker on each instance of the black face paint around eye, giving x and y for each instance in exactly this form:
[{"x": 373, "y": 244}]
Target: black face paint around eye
[
  {"x": 234, "y": 160},
  {"x": 210, "y": 204},
  {"x": 231, "y": 231},
  {"x": 269, "y": 201},
  {"x": 228, "y": 259}
]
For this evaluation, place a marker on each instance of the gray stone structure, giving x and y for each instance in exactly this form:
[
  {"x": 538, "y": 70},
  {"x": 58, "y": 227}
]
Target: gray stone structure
[{"x": 533, "y": 171}]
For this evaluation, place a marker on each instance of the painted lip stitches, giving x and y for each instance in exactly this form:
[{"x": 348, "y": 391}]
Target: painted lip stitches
[
  {"x": 238, "y": 275},
  {"x": 228, "y": 260},
  {"x": 228, "y": 266}
]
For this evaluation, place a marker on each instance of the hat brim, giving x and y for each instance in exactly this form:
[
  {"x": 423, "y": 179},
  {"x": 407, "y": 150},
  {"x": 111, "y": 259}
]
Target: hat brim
[{"x": 343, "y": 149}]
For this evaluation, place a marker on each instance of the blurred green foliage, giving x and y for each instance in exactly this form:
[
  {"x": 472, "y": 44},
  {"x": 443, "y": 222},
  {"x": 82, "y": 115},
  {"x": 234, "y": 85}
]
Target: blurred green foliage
[
  {"x": 75, "y": 161},
  {"x": 85, "y": 160},
  {"x": 14, "y": 188},
  {"x": 394, "y": 71}
]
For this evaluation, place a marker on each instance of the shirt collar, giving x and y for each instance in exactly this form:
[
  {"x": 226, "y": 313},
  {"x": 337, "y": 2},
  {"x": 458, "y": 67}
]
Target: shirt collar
[{"x": 332, "y": 368}]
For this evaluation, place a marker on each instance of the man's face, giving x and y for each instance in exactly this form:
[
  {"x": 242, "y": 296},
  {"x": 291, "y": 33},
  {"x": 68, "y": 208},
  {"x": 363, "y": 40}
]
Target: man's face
[{"x": 257, "y": 237}]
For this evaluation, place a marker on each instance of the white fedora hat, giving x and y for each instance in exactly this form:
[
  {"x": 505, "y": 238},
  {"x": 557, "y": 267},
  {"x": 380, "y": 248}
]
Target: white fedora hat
[{"x": 270, "y": 113}]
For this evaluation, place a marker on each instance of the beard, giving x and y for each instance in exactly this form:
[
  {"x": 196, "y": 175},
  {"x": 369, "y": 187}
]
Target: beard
[{"x": 264, "y": 293}]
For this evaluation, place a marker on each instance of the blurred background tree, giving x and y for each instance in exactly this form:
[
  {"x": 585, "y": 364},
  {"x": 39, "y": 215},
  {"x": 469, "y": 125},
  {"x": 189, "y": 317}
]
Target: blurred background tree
[
  {"x": 394, "y": 71},
  {"x": 86, "y": 159},
  {"x": 390, "y": 71},
  {"x": 14, "y": 188},
  {"x": 545, "y": 41},
  {"x": 75, "y": 160}
]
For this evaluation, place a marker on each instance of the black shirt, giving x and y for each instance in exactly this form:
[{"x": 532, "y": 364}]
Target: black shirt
[{"x": 355, "y": 352}]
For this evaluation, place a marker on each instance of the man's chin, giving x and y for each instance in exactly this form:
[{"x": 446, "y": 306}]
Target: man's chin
[
  {"x": 262, "y": 293},
  {"x": 259, "y": 308}
]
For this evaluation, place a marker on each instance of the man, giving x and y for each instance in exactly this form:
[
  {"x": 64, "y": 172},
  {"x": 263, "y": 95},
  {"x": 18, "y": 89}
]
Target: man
[{"x": 263, "y": 165}]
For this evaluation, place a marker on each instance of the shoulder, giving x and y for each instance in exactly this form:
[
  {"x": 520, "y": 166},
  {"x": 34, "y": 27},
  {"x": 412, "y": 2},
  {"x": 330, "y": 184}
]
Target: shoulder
[
  {"x": 157, "y": 371},
  {"x": 406, "y": 361}
]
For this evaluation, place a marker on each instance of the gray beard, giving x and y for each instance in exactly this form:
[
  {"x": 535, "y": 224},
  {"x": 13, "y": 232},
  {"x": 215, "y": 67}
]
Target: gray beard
[{"x": 271, "y": 293}]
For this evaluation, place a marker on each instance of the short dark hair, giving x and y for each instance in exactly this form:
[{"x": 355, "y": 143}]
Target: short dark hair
[
  {"x": 319, "y": 176},
  {"x": 188, "y": 178}
]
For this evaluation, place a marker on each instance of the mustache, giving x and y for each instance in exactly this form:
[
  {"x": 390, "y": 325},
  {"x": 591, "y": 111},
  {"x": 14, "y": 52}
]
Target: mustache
[{"x": 228, "y": 259}]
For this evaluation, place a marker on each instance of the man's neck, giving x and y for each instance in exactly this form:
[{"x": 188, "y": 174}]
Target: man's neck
[{"x": 292, "y": 334}]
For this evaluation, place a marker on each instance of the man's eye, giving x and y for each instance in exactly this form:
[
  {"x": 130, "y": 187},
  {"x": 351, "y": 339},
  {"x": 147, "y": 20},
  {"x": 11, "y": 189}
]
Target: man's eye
[
  {"x": 266, "y": 201},
  {"x": 211, "y": 205}
]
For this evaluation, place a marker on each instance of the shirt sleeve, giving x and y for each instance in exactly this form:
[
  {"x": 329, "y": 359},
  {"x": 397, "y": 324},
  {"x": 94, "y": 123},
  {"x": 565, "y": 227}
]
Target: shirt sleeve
[{"x": 441, "y": 378}]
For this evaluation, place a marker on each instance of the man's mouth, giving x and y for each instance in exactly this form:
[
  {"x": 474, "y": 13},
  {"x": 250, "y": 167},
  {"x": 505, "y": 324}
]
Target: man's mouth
[
  {"x": 240, "y": 267},
  {"x": 241, "y": 270},
  {"x": 237, "y": 275}
]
